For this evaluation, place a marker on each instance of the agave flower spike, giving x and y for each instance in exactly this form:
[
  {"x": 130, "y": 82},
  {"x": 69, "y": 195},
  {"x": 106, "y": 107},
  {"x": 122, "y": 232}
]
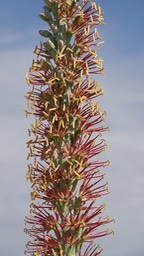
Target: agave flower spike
[{"x": 65, "y": 170}]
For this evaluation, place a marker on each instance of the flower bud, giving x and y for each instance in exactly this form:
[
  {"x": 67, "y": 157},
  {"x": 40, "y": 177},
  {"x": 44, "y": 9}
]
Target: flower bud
[
  {"x": 63, "y": 24},
  {"x": 60, "y": 44},
  {"x": 44, "y": 33},
  {"x": 49, "y": 45},
  {"x": 47, "y": 12}
]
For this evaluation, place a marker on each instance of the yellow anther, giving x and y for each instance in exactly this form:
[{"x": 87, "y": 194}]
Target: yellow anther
[
  {"x": 80, "y": 80},
  {"x": 108, "y": 218},
  {"x": 91, "y": 18},
  {"x": 53, "y": 165},
  {"x": 92, "y": 105},
  {"x": 51, "y": 81},
  {"x": 45, "y": 114},
  {"x": 31, "y": 151},
  {"x": 48, "y": 151},
  {"x": 106, "y": 146},
  {"x": 74, "y": 62},
  {"x": 99, "y": 43},
  {"x": 96, "y": 33},
  {"x": 36, "y": 150},
  {"x": 99, "y": 9},
  {"x": 67, "y": 117},
  {"x": 77, "y": 162},
  {"x": 27, "y": 112},
  {"x": 82, "y": 101},
  {"x": 62, "y": 122},
  {"x": 27, "y": 78},
  {"x": 69, "y": 49},
  {"x": 37, "y": 254},
  {"x": 79, "y": 60},
  {"x": 29, "y": 143},
  {"x": 69, "y": 162},
  {"x": 50, "y": 128},
  {"x": 33, "y": 195},
  {"x": 50, "y": 174},
  {"x": 53, "y": 251},
  {"x": 94, "y": 5},
  {"x": 46, "y": 104},
  {"x": 59, "y": 125},
  {"x": 51, "y": 109},
  {"x": 71, "y": 170},
  {"x": 101, "y": 89},
  {"x": 63, "y": 48},
  {"x": 104, "y": 205},
  {"x": 83, "y": 223},
  {"x": 73, "y": 124},
  {"x": 87, "y": 68},
  {"x": 88, "y": 29},
  {"x": 57, "y": 168},
  {"x": 76, "y": 173},
  {"x": 37, "y": 124},
  {"x": 71, "y": 73},
  {"x": 93, "y": 35},
  {"x": 93, "y": 52},
  {"x": 39, "y": 74},
  {"x": 55, "y": 101},
  {"x": 85, "y": 31},
  {"x": 59, "y": 55},
  {"x": 28, "y": 156},
  {"x": 55, "y": 118},
  {"x": 64, "y": 107},
  {"x": 27, "y": 176},
  {"x": 61, "y": 250}
]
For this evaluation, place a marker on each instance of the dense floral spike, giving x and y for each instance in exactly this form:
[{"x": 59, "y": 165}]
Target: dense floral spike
[{"x": 66, "y": 137}]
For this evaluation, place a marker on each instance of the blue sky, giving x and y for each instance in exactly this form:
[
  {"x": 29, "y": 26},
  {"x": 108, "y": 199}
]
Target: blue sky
[{"x": 123, "y": 84}]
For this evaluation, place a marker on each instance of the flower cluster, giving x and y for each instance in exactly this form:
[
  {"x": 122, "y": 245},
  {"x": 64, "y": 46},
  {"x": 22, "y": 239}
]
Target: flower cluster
[{"x": 66, "y": 136}]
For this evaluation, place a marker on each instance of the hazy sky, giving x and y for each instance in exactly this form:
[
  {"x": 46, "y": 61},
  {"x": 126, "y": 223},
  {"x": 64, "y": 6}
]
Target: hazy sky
[{"x": 123, "y": 53}]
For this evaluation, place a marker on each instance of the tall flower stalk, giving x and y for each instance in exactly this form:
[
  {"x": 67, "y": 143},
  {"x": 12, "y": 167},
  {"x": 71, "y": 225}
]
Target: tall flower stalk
[{"x": 65, "y": 216}]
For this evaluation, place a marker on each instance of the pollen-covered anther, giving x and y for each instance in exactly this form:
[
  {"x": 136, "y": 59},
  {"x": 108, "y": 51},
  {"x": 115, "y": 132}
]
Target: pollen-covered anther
[
  {"x": 66, "y": 138},
  {"x": 33, "y": 195},
  {"x": 61, "y": 124},
  {"x": 55, "y": 118}
]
